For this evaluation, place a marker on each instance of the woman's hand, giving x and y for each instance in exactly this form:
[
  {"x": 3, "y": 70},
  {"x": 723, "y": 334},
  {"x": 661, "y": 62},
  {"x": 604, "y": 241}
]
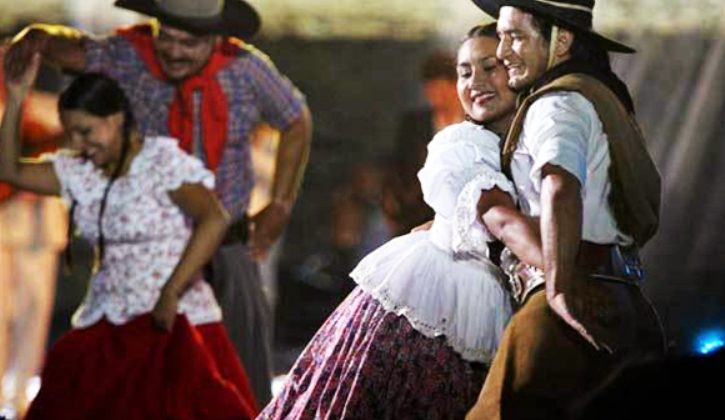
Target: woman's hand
[
  {"x": 21, "y": 50},
  {"x": 164, "y": 313},
  {"x": 39, "y": 177},
  {"x": 19, "y": 83}
]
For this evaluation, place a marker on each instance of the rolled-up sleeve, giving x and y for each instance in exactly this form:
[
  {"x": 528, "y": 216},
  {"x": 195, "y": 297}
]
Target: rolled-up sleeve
[{"x": 557, "y": 131}]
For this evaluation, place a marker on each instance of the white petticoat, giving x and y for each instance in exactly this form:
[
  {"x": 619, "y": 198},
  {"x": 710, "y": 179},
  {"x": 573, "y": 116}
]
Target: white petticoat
[{"x": 439, "y": 295}]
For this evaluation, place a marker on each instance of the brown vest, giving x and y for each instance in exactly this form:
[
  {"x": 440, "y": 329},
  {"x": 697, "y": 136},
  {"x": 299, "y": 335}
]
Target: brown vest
[{"x": 635, "y": 193}]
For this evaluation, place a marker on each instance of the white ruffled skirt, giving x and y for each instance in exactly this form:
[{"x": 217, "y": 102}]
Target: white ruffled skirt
[{"x": 460, "y": 298}]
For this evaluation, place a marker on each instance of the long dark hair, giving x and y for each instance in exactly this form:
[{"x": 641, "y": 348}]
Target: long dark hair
[{"x": 101, "y": 96}]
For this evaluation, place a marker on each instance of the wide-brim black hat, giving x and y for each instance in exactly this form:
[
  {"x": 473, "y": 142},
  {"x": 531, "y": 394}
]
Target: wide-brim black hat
[
  {"x": 237, "y": 18},
  {"x": 574, "y": 14}
]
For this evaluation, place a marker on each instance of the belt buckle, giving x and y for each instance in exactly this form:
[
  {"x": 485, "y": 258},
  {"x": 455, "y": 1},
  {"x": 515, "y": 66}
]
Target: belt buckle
[
  {"x": 522, "y": 278},
  {"x": 626, "y": 263},
  {"x": 509, "y": 264}
]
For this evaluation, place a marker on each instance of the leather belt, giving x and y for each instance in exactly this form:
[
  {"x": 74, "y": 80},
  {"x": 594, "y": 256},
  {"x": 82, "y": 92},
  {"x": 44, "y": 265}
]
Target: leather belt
[
  {"x": 606, "y": 262},
  {"x": 610, "y": 262}
]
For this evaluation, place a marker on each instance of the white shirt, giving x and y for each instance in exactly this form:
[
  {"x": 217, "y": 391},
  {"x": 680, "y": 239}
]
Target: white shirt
[
  {"x": 463, "y": 159},
  {"x": 145, "y": 232},
  {"x": 441, "y": 280},
  {"x": 563, "y": 129}
]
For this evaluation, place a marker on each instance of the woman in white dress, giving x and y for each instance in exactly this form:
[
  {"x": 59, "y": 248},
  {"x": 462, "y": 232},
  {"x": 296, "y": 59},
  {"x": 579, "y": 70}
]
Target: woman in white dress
[{"x": 415, "y": 337}]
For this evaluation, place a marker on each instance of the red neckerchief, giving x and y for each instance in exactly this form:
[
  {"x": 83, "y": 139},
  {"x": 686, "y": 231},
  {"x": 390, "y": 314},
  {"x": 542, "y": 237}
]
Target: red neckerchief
[{"x": 214, "y": 115}]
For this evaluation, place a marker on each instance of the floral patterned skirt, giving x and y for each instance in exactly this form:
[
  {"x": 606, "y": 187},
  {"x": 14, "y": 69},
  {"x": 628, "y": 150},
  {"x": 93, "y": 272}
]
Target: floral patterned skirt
[{"x": 367, "y": 363}]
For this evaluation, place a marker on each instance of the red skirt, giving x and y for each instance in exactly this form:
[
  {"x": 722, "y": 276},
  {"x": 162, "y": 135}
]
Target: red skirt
[{"x": 136, "y": 371}]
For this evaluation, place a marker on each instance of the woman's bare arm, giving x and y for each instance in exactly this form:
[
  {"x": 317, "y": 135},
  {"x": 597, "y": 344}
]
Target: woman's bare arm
[
  {"x": 210, "y": 224},
  {"x": 518, "y": 232},
  {"x": 28, "y": 175}
]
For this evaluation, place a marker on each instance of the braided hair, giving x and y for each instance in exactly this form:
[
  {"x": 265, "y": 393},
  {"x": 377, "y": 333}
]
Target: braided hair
[{"x": 101, "y": 96}]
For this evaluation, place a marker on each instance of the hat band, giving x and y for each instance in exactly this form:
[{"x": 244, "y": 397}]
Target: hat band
[{"x": 566, "y": 5}]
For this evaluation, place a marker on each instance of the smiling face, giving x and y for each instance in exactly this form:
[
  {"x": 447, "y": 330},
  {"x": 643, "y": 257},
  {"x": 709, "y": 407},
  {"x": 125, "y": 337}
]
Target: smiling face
[
  {"x": 98, "y": 139},
  {"x": 182, "y": 54},
  {"x": 482, "y": 84},
  {"x": 523, "y": 50}
]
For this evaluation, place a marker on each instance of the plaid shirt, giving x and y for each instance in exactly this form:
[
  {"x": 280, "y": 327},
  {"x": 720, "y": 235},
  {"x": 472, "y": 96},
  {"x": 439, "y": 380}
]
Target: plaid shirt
[{"x": 256, "y": 92}]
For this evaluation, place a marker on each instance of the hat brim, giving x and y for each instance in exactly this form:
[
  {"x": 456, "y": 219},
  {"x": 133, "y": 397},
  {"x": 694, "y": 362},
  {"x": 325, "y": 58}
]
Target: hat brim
[
  {"x": 491, "y": 7},
  {"x": 238, "y": 18}
]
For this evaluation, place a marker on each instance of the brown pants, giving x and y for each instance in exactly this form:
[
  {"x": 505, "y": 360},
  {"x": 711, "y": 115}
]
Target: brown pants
[{"x": 543, "y": 366}]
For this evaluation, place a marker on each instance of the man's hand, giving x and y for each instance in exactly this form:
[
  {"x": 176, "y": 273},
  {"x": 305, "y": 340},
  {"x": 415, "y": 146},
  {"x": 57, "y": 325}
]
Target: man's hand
[
  {"x": 584, "y": 306},
  {"x": 292, "y": 153},
  {"x": 584, "y": 316},
  {"x": 164, "y": 313},
  {"x": 265, "y": 227}
]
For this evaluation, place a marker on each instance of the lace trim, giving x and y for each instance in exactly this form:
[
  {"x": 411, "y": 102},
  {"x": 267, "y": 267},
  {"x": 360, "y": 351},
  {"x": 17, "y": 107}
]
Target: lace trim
[
  {"x": 470, "y": 236},
  {"x": 362, "y": 276},
  {"x": 472, "y": 354}
]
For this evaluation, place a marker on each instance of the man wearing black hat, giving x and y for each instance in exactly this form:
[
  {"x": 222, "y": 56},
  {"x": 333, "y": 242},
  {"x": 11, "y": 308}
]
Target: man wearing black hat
[
  {"x": 188, "y": 75},
  {"x": 578, "y": 160}
]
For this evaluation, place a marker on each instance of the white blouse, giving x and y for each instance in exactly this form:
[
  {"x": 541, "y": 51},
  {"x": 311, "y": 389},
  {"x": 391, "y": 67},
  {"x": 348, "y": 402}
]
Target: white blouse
[
  {"x": 145, "y": 232},
  {"x": 563, "y": 129},
  {"x": 441, "y": 280}
]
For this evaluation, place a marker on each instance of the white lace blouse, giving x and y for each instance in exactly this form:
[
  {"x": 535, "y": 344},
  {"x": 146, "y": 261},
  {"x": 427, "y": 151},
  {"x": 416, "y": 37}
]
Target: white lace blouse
[
  {"x": 441, "y": 280},
  {"x": 145, "y": 232}
]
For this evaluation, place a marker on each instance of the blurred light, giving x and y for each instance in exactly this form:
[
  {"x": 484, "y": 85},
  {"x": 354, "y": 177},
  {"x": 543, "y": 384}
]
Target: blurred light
[
  {"x": 277, "y": 384},
  {"x": 32, "y": 388},
  {"x": 710, "y": 341}
]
